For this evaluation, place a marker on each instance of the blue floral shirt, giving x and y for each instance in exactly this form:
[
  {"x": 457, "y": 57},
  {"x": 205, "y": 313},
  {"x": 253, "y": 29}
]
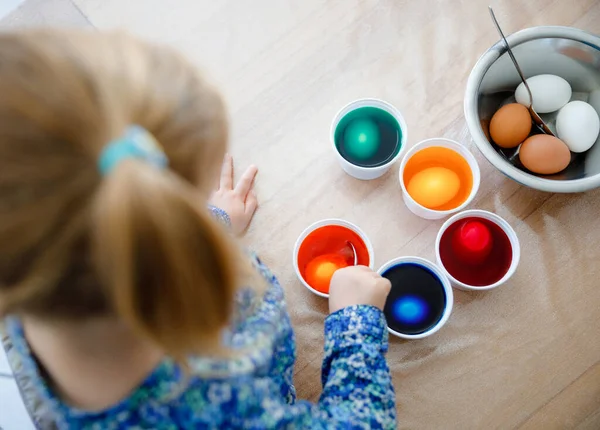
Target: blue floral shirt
[{"x": 253, "y": 389}]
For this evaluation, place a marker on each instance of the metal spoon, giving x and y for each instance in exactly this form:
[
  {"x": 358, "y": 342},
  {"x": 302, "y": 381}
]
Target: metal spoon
[
  {"x": 354, "y": 253},
  {"x": 347, "y": 249},
  {"x": 536, "y": 118}
]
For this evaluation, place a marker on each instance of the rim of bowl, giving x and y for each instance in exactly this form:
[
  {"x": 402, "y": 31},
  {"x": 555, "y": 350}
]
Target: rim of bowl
[
  {"x": 469, "y": 158},
  {"x": 377, "y": 103},
  {"x": 472, "y": 116},
  {"x": 445, "y": 284},
  {"x": 500, "y": 222},
  {"x": 322, "y": 223}
]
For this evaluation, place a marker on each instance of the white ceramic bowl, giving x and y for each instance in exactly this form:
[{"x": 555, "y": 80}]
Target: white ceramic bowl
[
  {"x": 445, "y": 284},
  {"x": 427, "y": 213},
  {"x": 500, "y": 222},
  {"x": 323, "y": 223},
  {"x": 367, "y": 173}
]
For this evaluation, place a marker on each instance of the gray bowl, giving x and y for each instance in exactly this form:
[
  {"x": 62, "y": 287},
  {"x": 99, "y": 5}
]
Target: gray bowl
[{"x": 564, "y": 51}]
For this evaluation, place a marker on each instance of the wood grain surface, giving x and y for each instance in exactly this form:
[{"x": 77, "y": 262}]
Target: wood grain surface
[{"x": 526, "y": 355}]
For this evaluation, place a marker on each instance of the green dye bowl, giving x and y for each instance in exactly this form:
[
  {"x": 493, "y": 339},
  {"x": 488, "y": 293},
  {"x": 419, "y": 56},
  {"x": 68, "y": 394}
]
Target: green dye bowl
[{"x": 367, "y": 142}]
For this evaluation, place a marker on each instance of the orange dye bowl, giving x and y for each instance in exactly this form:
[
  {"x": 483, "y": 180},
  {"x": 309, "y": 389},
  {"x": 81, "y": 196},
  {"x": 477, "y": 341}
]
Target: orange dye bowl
[
  {"x": 318, "y": 252},
  {"x": 438, "y": 177}
]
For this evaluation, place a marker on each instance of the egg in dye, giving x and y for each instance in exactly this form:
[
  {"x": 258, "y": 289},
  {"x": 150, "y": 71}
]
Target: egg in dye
[
  {"x": 434, "y": 187},
  {"x": 325, "y": 245},
  {"x": 320, "y": 270},
  {"x": 493, "y": 249},
  {"x": 448, "y": 160},
  {"x": 472, "y": 242},
  {"x": 362, "y": 139}
]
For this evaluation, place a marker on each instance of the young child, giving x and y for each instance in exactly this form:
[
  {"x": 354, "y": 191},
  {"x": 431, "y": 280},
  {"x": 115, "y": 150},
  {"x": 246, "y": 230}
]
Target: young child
[{"x": 126, "y": 304}]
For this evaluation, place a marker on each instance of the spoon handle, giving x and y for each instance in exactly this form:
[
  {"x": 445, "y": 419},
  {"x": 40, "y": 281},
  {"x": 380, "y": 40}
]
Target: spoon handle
[
  {"x": 536, "y": 118},
  {"x": 354, "y": 253},
  {"x": 510, "y": 53}
]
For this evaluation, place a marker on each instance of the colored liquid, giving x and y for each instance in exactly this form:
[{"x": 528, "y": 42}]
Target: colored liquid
[
  {"x": 487, "y": 272},
  {"x": 320, "y": 270},
  {"x": 388, "y": 140},
  {"x": 437, "y": 156},
  {"x": 416, "y": 301},
  {"x": 327, "y": 240}
]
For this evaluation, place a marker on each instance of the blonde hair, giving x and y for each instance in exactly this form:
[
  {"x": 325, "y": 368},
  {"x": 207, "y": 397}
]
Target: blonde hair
[{"x": 139, "y": 243}]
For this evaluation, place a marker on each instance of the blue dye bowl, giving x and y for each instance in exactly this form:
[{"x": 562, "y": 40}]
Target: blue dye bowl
[{"x": 413, "y": 309}]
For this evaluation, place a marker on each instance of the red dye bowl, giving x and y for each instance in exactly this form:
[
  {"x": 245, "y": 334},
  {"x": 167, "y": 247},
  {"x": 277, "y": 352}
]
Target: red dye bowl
[
  {"x": 318, "y": 252},
  {"x": 477, "y": 250}
]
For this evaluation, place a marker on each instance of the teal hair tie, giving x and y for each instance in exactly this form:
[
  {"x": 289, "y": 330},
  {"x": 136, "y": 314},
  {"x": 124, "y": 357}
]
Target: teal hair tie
[{"x": 136, "y": 142}]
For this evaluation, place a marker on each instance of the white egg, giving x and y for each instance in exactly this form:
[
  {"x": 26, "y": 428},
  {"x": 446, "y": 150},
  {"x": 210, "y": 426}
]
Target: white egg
[
  {"x": 550, "y": 93},
  {"x": 578, "y": 125}
]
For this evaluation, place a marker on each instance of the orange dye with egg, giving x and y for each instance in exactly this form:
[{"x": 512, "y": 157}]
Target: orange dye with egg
[
  {"x": 322, "y": 253},
  {"x": 428, "y": 162}
]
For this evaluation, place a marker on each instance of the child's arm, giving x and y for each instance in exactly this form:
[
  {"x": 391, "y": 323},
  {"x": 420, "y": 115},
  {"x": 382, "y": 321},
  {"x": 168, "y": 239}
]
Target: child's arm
[{"x": 357, "y": 385}]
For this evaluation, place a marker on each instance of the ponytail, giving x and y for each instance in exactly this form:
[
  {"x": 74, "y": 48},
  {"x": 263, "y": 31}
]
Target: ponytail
[
  {"x": 136, "y": 243},
  {"x": 166, "y": 264}
]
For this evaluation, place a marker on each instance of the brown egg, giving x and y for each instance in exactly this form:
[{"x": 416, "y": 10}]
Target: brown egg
[
  {"x": 510, "y": 125},
  {"x": 544, "y": 154}
]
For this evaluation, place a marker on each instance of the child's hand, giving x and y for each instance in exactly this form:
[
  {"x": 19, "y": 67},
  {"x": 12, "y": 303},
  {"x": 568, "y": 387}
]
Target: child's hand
[
  {"x": 240, "y": 202},
  {"x": 357, "y": 285}
]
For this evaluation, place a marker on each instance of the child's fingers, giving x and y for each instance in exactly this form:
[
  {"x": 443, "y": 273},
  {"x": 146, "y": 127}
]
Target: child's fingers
[
  {"x": 251, "y": 203},
  {"x": 226, "y": 181},
  {"x": 245, "y": 184}
]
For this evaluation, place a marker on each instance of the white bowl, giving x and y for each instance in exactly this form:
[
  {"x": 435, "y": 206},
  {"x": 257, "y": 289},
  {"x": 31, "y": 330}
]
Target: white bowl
[
  {"x": 323, "y": 223},
  {"x": 421, "y": 210},
  {"x": 500, "y": 222},
  {"x": 445, "y": 284},
  {"x": 367, "y": 173}
]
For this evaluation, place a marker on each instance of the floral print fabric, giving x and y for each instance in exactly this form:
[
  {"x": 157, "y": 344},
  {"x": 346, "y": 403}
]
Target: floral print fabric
[{"x": 253, "y": 389}]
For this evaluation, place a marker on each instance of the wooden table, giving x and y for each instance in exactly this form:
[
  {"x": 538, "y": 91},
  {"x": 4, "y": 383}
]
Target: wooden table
[{"x": 524, "y": 356}]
